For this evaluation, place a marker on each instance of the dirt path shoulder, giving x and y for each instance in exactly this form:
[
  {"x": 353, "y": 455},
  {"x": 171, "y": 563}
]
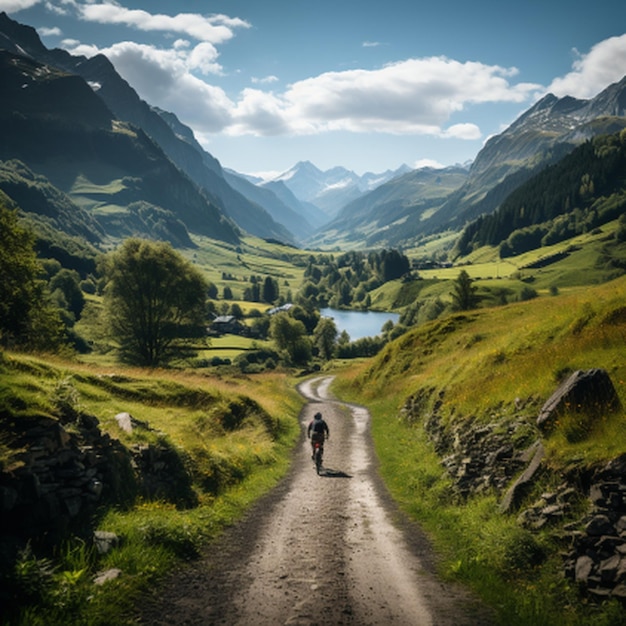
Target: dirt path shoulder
[{"x": 328, "y": 549}]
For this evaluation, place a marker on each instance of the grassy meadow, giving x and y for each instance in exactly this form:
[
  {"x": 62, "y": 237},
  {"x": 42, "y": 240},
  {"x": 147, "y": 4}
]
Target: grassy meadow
[
  {"x": 234, "y": 437},
  {"x": 481, "y": 361}
]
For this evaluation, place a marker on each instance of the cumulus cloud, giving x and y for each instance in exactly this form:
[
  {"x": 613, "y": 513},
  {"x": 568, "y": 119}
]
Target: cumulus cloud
[
  {"x": 215, "y": 29},
  {"x": 591, "y": 73},
  {"x": 413, "y": 96},
  {"x": 13, "y": 6}
]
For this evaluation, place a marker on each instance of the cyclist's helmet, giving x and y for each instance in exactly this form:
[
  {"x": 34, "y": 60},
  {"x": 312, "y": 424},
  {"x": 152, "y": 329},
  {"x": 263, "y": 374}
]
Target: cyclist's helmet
[{"x": 318, "y": 416}]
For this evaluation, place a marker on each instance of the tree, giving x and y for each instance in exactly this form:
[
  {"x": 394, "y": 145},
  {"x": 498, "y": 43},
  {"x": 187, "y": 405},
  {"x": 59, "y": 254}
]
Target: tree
[
  {"x": 270, "y": 290},
  {"x": 464, "y": 293},
  {"x": 27, "y": 317},
  {"x": 325, "y": 337},
  {"x": 153, "y": 297},
  {"x": 290, "y": 336},
  {"x": 68, "y": 281}
]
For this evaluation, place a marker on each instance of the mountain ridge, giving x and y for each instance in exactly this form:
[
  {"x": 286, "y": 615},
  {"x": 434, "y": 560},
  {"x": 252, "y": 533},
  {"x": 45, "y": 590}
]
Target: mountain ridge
[
  {"x": 539, "y": 137},
  {"x": 126, "y": 105}
]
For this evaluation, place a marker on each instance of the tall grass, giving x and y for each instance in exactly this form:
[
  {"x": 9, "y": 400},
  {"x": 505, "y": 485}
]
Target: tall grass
[
  {"x": 475, "y": 365},
  {"x": 234, "y": 436}
]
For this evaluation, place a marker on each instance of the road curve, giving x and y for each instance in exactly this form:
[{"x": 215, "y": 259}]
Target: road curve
[{"x": 330, "y": 549}]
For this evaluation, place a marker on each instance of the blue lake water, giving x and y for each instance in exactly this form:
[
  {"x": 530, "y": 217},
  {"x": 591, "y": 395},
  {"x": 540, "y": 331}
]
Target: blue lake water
[{"x": 359, "y": 324}]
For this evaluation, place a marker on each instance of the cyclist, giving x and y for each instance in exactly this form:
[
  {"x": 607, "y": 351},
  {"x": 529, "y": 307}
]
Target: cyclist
[{"x": 317, "y": 431}]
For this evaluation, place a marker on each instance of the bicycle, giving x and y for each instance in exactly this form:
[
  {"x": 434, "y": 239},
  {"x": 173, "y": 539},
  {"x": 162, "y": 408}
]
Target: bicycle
[{"x": 318, "y": 453}]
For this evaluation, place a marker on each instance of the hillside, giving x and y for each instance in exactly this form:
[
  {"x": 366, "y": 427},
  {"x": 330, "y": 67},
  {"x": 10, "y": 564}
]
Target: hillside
[
  {"x": 583, "y": 191},
  {"x": 164, "y": 128},
  {"x": 53, "y": 122},
  {"x": 511, "y": 503}
]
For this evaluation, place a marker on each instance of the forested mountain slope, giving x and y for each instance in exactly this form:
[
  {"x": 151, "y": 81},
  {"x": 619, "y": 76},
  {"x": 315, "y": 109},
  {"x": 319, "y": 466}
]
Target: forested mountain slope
[
  {"x": 584, "y": 190},
  {"x": 55, "y": 124}
]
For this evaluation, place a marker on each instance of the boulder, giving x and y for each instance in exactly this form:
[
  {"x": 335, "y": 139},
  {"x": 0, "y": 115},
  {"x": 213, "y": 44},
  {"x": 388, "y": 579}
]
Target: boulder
[{"x": 585, "y": 391}]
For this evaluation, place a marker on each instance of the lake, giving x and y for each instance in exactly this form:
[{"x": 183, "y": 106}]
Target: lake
[{"x": 359, "y": 324}]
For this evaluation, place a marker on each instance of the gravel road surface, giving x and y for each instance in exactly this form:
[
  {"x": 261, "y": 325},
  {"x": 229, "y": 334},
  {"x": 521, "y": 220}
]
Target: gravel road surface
[{"x": 330, "y": 549}]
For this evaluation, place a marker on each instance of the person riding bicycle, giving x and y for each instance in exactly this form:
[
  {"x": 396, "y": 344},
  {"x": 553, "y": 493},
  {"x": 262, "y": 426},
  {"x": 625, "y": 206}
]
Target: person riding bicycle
[{"x": 317, "y": 431}]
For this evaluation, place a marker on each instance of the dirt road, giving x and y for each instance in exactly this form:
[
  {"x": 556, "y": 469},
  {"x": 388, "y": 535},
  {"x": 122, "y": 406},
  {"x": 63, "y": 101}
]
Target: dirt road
[{"x": 329, "y": 549}]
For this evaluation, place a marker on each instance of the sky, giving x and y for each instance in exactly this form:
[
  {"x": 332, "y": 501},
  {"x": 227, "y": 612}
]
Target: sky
[{"x": 367, "y": 85}]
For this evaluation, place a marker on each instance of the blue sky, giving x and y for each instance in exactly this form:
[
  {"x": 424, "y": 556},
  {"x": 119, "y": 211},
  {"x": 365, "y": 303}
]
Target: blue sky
[{"x": 362, "y": 84}]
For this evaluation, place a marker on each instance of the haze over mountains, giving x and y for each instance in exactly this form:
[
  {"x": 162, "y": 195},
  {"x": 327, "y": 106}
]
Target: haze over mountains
[{"x": 132, "y": 169}]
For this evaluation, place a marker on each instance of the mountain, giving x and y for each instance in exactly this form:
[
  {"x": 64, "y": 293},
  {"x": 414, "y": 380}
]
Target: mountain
[
  {"x": 312, "y": 214},
  {"x": 542, "y": 136},
  {"x": 56, "y": 125},
  {"x": 289, "y": 215},
  {"x": 175, "y": 139},
  {"x": 391, "y": 215},
  {"x": 332, "y": 189}
]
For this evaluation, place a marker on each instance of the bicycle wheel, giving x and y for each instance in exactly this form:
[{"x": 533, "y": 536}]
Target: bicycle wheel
[{"x": 318, "y": 459}]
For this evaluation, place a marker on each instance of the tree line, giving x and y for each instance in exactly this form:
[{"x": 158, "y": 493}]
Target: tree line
[{"x": 346, "y": 281}]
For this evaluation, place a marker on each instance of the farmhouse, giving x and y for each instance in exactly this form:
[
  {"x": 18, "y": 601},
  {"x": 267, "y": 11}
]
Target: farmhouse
[{"x": 228, "y": 324}]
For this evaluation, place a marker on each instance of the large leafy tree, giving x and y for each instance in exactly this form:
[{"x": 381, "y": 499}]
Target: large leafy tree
[
  {"x": 27, "y": 318},
  {"x": 290, "y": 336},
  {"x": 153, "y": 297}
]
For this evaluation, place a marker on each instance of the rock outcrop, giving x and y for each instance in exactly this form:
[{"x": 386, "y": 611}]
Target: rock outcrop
[
  {"x": 589, "y": 392},
  {"x": 505, "y": 455}
]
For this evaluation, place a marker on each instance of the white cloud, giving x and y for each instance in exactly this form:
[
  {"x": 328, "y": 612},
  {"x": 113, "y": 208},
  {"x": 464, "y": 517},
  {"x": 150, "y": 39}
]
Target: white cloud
[
  {"x": 203, "y": 58},
  {"x": 371, "y": 44},
  {"x": 266, "y": 80},
  {"x": 414, "y": 96},
  {"x": 13, "y": 6},
  {"x": 462, "y": 131},
  {"x": 49, "y": 32},
  {"x": 59, "y": 10},
  {"x": 591, "y": 73},
  {"x": 427, "y": 163},
  {"x": 215, "y": 29}
]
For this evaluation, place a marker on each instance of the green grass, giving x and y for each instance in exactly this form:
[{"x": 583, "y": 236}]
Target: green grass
[
  {"x": 254, "y": 257},
  {"x": 482, "y": 361},
  {"x": 234, "y": 436}
]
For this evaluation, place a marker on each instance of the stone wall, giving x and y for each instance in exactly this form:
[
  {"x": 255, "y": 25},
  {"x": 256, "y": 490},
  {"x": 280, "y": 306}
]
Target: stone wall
[
  {"x": 504, "y": 455},
  {"x": 59, "y": 477},
  {"x": 66, "y": 472}
]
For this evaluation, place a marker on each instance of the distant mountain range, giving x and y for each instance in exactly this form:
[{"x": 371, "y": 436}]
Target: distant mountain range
[
  {"x": 72, "y": 124},
  {"x": 332, "y": 189},
  {"x": 420, "y": 203}
]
